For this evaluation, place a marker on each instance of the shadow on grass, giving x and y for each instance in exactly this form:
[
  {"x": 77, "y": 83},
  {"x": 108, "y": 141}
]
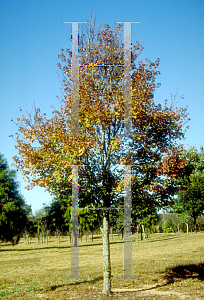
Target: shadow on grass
[
  {"x": 179, "y": 272},
  {"x": 161, "y": 240},
  {"x": 36, "y": 249},
  {"x": 39, "y": 247},
  {"x": 184, "y": 272},
  {"x": 92, "y": 281},
  {"x": 58, "y": 247}
]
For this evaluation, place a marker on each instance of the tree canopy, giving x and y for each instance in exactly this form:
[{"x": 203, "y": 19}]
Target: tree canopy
[
  {"x": 46, "y": 147},
  {"x": 191, "y": 185},
  {"x": 14, "y": 211}
]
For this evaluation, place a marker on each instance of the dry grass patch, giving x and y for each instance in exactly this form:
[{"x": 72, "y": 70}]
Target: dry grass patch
[{"x": 169, "y": 266}]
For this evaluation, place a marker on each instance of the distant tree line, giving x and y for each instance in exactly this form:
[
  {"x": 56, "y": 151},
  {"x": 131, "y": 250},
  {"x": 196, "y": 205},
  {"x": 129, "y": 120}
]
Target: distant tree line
[{"x": 185, "y": 214}]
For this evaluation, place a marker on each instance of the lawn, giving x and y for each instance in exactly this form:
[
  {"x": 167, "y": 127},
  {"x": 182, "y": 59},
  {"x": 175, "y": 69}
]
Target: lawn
[{"x": 167, "y": 266}]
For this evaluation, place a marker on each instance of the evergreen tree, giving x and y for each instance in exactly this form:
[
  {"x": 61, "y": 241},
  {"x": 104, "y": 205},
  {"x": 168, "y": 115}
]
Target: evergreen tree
[{"x": 14, "y": 212}]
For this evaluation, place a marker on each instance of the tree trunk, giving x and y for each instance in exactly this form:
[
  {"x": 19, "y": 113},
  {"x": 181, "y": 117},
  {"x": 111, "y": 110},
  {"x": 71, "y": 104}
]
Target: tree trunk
[
  {"x": 187, "y": 227},
  {"x": 194, "y": 222},
  {"x": 143, "y": 231},
  {"x": 106, "y": 254},
  {"x": 137, "y": 233},
  {"x": 74, "y": 240}
]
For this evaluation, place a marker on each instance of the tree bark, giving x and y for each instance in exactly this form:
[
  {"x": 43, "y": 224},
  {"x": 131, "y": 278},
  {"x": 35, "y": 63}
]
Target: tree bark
[
  {"x": 106, "y": 254},
  {"x": 194, "y": 222},
  {"x": 137, "y": 233},
  {"x": 141, "y": 236},
  {"x": 187, "y": 227},
  {"x": 143, "y": 229}
]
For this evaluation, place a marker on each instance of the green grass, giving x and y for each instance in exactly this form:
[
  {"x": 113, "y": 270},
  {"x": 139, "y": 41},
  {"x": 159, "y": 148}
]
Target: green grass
[{"x": 170, "y": 266}]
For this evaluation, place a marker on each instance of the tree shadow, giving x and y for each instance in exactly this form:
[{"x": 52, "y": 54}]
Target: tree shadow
[
  {"x": 76, "y": 282},
  {"x": 58, "y": 247},
  {"x": 184, "y": 272},
  {"x": 35, "y": 249},
  {"x": 164, "y": 239}
]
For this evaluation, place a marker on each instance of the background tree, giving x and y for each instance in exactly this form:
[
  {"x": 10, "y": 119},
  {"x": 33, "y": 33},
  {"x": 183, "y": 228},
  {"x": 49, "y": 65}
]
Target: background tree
[
  {"x": 87, "y": 222},
  {"x": 14, "y": 212},
  {"x": 59, "y": 217},
  {"x": 56, "y": 216},
  {"x": 171, "y": 222},
  {"x": 190, "y": 185},
  {"x": 47, "y": 149},
  {"x": 200, "y": 222},
  {"x": 144, "y": 212}
]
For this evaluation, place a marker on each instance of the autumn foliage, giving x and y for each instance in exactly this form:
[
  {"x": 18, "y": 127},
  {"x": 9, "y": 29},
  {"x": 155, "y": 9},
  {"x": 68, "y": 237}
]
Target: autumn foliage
[{"x": 46, "y": 148}]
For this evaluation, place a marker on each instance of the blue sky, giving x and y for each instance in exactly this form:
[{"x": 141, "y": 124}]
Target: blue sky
[{"x": 32, "y": 34}]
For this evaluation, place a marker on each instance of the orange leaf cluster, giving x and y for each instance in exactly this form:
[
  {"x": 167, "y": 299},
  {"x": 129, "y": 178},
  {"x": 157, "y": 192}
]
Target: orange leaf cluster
[{"x": 46, "y": 147}]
